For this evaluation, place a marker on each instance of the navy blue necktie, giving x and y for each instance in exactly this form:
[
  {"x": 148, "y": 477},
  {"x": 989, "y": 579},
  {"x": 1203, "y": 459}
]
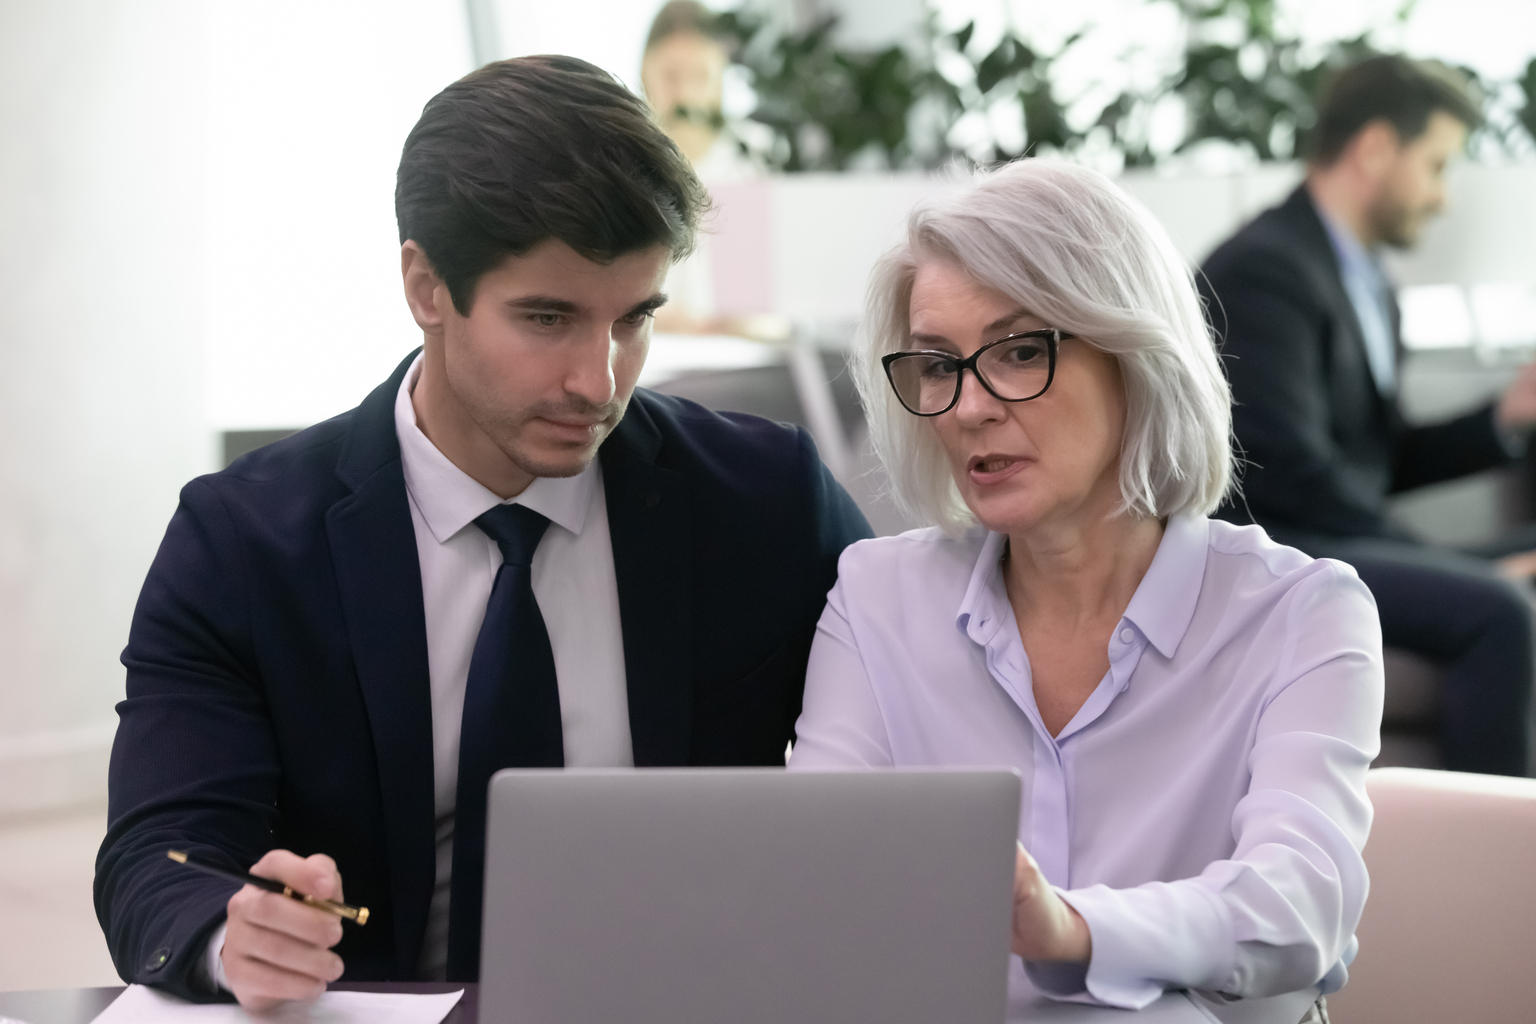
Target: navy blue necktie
[{"x": 511, "y": 717}]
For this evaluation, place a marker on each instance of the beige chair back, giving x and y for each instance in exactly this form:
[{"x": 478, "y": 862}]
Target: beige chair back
[{"x": 1449, "y": 933}]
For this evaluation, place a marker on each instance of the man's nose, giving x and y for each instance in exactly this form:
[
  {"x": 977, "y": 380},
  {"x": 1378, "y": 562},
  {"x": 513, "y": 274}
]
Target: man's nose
[{"x": 591, "y": 372}]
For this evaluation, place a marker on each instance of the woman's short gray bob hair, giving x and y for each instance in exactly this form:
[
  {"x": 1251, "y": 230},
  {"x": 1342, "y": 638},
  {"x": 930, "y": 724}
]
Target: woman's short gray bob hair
[{"x": 1067, "y": 244}]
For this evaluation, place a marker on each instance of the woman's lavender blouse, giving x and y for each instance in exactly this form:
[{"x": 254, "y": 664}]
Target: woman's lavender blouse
[{"x": 1205, "y": 809}]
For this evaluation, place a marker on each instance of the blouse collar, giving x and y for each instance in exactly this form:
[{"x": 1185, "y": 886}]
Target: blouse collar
[{"x": 1161, "y": 609}]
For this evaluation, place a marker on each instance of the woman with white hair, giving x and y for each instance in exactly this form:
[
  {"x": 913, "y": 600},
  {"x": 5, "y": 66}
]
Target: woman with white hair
[{"x": 1192, "y": 707}]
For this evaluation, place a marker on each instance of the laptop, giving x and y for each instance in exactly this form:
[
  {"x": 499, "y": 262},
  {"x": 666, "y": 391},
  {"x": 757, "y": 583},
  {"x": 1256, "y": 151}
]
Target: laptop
[{"x": 748, "y": 896}]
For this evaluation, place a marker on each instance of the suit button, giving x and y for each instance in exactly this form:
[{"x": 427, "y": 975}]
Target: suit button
[
  {"x": 158, "y": 959},
  {"x": 652, "y": 499}
]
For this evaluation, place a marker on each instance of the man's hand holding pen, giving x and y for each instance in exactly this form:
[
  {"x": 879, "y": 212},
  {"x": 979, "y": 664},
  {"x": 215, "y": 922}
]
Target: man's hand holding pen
[{"x": 277, "y": 948}]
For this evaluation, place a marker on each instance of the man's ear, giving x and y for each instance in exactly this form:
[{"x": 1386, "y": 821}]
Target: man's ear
[
  {"x": 425, "y": 292},
  {"x": 1376, "y": 147}
]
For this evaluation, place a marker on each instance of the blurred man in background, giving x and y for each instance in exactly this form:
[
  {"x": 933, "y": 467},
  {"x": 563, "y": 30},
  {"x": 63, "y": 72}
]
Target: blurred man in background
[{"x": 1312, "y": 346}]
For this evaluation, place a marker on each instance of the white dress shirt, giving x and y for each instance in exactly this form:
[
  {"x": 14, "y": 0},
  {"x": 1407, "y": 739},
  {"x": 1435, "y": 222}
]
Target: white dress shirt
[
  {"x": 577, "y": 592},
  {"x": 1205, "y": 809}
]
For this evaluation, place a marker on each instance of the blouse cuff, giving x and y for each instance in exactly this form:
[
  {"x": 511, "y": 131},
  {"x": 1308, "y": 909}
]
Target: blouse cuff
[
  {"x": 1059, "y": 980},
  {"x": 1149, "y": 938}
]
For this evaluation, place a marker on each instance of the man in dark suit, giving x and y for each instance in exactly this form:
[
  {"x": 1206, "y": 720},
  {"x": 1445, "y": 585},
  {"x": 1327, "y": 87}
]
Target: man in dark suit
[
  {"x": 506, "y": 556},
  {"x": 1311, "y": 345}
]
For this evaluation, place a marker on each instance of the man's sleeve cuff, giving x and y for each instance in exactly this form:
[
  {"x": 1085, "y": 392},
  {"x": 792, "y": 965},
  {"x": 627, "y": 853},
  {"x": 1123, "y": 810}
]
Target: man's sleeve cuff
[{"x": 209, "y": 973}]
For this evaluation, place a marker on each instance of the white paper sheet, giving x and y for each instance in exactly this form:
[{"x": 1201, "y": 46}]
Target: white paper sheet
[{"x": 141, "y": 1005}]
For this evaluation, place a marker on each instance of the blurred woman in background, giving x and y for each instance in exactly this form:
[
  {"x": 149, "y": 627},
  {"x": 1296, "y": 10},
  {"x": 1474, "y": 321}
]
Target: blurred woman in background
[{"x": 683, "y": 73}]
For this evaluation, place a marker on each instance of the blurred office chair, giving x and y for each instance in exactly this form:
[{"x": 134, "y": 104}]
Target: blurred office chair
[{"x": 1449, "y": 932}]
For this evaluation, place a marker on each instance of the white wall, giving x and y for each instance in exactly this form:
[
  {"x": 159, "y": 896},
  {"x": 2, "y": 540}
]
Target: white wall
[
  {"x": 100, "y": 359},
  {"x": 197, "y": 206},
  {"x": 309, "y": 104},
  {"x": 609, "y": 33}
]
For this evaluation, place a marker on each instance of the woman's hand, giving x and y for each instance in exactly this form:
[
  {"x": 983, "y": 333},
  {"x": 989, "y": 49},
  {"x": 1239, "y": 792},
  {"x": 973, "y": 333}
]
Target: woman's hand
[{"x": 1045, "y": 927}]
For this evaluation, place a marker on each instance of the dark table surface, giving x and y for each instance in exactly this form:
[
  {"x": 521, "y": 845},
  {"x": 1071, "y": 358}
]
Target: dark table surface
[{"x": 81, "y": 1005}]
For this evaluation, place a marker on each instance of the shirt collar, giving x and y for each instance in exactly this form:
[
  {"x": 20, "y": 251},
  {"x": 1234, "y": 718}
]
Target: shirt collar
[
  {"x": 1164, "y": 602},
  {"x": 1161, "y": 609},
  {"x": 449, "y": 499},
  {"x": 1353, "y": 256},
  {"x": 980, "y": 616}
]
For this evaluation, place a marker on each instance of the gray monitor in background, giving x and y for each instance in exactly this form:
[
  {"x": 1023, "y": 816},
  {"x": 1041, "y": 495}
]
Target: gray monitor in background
[{"x": 749, "y": 896}]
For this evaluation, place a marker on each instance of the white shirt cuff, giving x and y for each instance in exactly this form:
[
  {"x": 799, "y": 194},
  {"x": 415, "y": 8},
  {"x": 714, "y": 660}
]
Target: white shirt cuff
[
  {"x": 1149, "y": 938},
  {"x": 212, "y": 973},
  {"x": 1514, "y": 442}
]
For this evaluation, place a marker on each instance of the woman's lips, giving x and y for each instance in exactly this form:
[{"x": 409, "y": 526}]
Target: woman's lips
[{"x": 993, "y": 469}]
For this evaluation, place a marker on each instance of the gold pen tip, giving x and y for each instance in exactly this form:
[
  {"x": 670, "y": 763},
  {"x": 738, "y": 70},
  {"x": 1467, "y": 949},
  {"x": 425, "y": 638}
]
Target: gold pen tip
[
  {"x": 177, "y": 856},
  {"x": 362, "y": 915}
]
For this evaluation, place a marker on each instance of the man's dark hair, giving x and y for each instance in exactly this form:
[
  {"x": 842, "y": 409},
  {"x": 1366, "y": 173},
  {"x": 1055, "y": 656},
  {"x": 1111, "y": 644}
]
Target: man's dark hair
[
  {"x": 538, "y": 148},
  {"x": 1394, "y": 89}
]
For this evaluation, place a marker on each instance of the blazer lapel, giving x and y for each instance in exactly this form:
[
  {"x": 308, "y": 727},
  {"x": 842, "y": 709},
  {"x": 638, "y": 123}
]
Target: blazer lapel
[
  {"x": 649, "y": 523},
  {"x": 373, "y": 549}
]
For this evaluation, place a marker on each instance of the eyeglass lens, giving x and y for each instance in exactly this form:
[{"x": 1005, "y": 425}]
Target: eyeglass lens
[{"x": 1016, "y": 370}]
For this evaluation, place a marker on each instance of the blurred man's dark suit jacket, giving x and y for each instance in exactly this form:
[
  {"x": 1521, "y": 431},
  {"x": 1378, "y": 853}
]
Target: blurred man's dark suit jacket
[
  {"x": 278, "y": 691},
  {"x": 1325, "y": 448}
]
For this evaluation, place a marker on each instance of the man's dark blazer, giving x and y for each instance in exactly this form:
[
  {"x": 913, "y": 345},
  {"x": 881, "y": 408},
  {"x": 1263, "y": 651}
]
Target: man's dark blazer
[
  {"x": 278, "y": 692},
  {"x": 1324, "y": 447}
]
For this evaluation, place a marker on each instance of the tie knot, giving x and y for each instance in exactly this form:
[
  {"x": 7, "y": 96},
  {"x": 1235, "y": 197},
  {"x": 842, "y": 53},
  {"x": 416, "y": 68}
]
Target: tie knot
[{"x": 516, "y": 529}]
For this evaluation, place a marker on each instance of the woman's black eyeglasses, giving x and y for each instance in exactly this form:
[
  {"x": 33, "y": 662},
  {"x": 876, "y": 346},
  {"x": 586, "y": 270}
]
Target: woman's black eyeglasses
[{"x": 1012, "y": 369}]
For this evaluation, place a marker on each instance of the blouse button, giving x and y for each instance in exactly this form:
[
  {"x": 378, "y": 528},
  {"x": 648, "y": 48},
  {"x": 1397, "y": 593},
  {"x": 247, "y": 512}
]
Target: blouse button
[{"x": 1126, "y": 636}]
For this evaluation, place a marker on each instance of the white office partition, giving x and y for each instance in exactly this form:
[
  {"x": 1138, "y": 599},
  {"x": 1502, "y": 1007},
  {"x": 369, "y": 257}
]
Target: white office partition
[
  {"x": 803, "y": 245},
  {"x": 1201, "y": 211},
  {"x": 1488, "y": 232}
]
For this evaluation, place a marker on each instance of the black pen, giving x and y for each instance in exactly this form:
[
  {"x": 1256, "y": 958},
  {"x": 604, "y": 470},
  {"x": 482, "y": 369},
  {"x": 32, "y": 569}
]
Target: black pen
[{"x": 358, "y": 914}]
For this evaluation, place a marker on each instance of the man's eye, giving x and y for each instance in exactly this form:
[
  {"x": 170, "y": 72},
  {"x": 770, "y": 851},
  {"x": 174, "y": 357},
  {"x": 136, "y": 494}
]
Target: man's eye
[
  {"x": 636, "y": 319},
  {"x": 546, "y": 319}
]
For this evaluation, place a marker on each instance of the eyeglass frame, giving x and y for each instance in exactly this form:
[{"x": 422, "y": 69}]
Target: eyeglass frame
[{"x": 1053, "y": 336}]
